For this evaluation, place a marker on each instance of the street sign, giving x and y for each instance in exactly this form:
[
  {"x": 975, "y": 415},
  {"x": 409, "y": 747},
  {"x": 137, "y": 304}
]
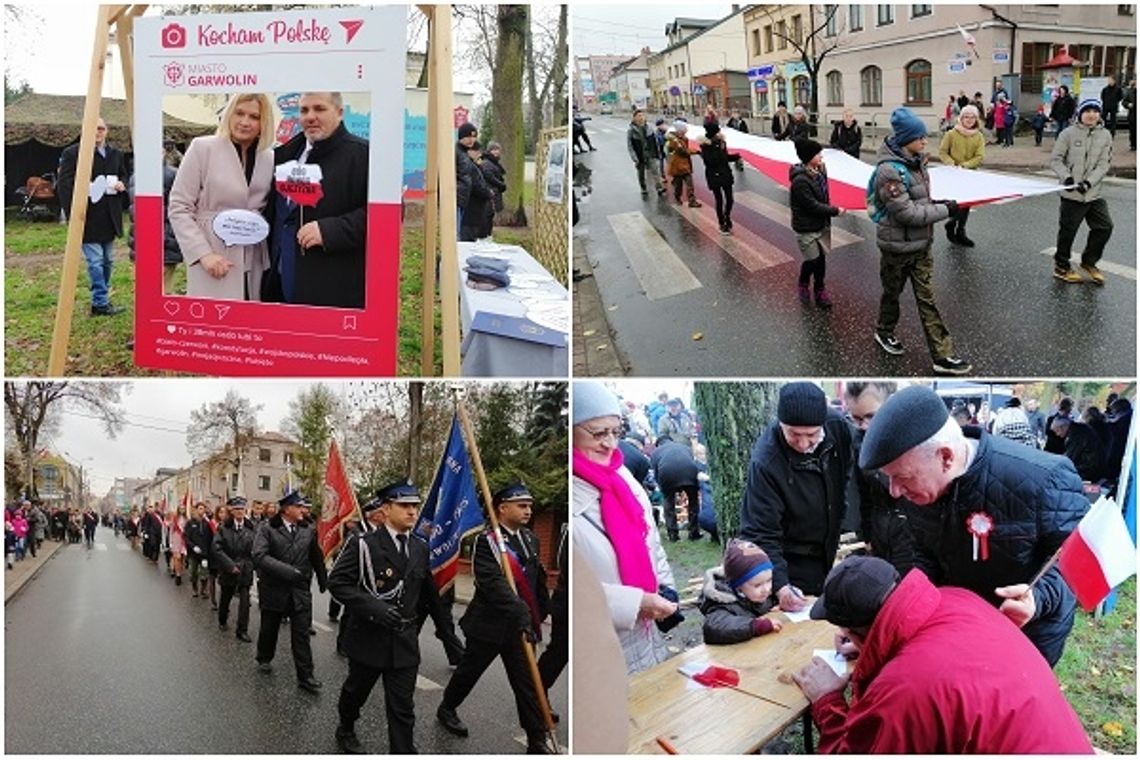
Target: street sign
[
  {"x": 761, "y": 85},
  {"x": 957, "y": 67},
  {"x": 761, "y": 72},
  {"x": 1001, "y": 55},
  {"x": 698, "y": 89},
  {"x": 674, "y": 90}
]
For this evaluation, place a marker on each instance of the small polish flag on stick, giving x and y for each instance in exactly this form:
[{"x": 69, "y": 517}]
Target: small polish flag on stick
[{"x": 970, "y": 41}]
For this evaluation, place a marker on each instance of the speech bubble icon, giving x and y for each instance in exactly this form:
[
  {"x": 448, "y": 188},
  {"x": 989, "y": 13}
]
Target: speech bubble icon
[
  {"x": 197, "y": 310},
  {"x": 240, "y": 226}
]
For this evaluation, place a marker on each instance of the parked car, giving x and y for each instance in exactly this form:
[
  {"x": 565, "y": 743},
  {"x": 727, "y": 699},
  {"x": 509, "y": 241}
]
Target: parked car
[{"x": 606, "y": 109}]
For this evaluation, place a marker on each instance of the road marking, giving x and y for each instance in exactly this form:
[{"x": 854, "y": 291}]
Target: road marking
[
  {"x": 1128, "y": 273},
  {"x": 782, "y": 215},
  {"x": 748, "y": 249},
  {"x": 658, "y": 268},
  {"x": 426, "y": 684}
]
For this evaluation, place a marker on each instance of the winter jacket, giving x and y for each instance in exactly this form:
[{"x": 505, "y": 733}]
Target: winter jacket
[
  {"x": 908, "y": 225},
  {"x": 495, "y": 612},
  {"x": 847, "y": 139},
  {"x": 105, "y": 218},
  {"x": 286, "y": 564},
  {"x": 794, "y": 503},
  {"x": 635, "y": 461},
  {"x": 810, "y": 199},
  {"x": 883, "y": 518},
  {"x": 642, "y": 147},
  {"x": 797, "y": 130},
  {"x": 1083, "y": 448},
  {"x": 956, "y": 149},
  {"x": 1118, "y": 431},
  {"x": 681, "y": 428},
  {"x": 728, "y": 615},
  {"x": 1110, "y": 97},
  {"x": 1001, "y": 108},
  {"x": 941, "y": 672},
  {"x": 234, "y": 548},
  {"x": 740, "y": 125},
  {"x": 780, "y": 122},
  {"x": 198, "y": 538},
  {"x": 1063, "y": 109},
  {"x": 480, "y": 208},
  {"x": 496, "y": 178},
  {"x": 680, "y": 162},
  {"x": 674, "y": 467},
  {"x": 171, "y": 253},
  {"x": 1085, "y": 154},
  {"x": 1034, "y": 501},
  {"x": 718, "y": 162}
]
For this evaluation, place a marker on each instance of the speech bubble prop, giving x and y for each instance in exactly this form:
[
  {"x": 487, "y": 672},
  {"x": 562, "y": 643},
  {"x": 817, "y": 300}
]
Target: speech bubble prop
[
  {"x": 300, "y": 183},
  {"x": 98, "y": 188},
  {"x": 241, "y": 226}
]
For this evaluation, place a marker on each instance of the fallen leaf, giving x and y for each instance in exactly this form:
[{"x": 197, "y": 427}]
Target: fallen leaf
[
  {"x": 603, "y": 347},
  {"x": 588, "y": 333},
  {"x": 698, "y": 335},
  {"x": 1112, "y": 728},
  {"x": 1094, "y": 670},
  {"x": 613, "y": 308}
]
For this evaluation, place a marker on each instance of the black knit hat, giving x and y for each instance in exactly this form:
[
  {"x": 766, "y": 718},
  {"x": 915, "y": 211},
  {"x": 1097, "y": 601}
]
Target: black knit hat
[
  {"x": 466, "y": 129},
  {"x": 711, "y": 128},
  {"x": 802, "y": 404},
  {"x": 808, "y": 149},
  {"x": 907, "y": 419},
  {"x": 854, "y": 591}
]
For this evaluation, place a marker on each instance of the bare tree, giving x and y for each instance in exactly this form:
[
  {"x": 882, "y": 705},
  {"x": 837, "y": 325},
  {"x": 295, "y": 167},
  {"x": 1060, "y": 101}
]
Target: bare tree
[
  {"x": 506, "y": 93},
  {"x": 551, "y": 72},
  {"x": 812, "y": 47},
  {"x": 231, "y": 422}
]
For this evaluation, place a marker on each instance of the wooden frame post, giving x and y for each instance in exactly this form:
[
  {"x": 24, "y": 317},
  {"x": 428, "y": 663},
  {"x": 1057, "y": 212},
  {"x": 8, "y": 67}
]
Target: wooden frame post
[{"x": 431, "y": 218}]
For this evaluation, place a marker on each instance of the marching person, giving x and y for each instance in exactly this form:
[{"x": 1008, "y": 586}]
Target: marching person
[
  {"x": 643, "y": 152},
  {"x": 964, "y": 146},
  {"x": 497, "y": 618},
  {"x": 383, "y": 579},
  {"x": 233, "y": 559},
  {"x": 287, "y": 555},
  {"x": 151, "y": 533},
  {"x": 198, "y": 536}
]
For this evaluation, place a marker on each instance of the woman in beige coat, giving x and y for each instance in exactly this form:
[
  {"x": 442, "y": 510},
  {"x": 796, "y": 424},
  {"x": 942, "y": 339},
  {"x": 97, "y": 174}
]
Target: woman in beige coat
[
  {"x": 964, "y": 146},
  {"x": 232, "y": 170}
]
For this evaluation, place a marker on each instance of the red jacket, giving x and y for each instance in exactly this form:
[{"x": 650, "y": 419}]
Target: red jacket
[{"x": 943, "y": 672}]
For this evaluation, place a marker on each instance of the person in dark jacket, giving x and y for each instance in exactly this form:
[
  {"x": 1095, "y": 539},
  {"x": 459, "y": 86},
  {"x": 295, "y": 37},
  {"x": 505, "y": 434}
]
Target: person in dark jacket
[
  {"x": 1082, "y": 446},
  {"x": 1119, "y": 428},
  {"x": 795, "y": 498},
  {"x": 151, "y": 532},
  {"x": 846, "y": 135},
  {"x": 644, "y": 152},
  {"x": 232, "y": 556},
  {"x": 798, "y": 128},
  {"x": 104, "y": 220},
  {"x": 480, "y": 206},
  {"x": 1111, "y": 96},
  {"x": 557, "y": 653},
  {"x": 286, "y": 555},
  {"x": 635, "y": 461},
  {"x": 1063, "y": 109},
  {"x": 780, "y": 121},
  {"x": 198, "y": 537},
  {"x": 497, "y": 618},
  {"x": 496, "y": 178},
  {"x": 737, "y": 122},
  {"x": 737, "y": 595},
  {"x": 466, "y": 136},
  {"x": 1055, "y": 444},
  {"x": 989, "y": 512},
  {"x": 811, "y": 219},
  {"x": 675, "y": 471},
  {"x": 384, "y": 581},
  {"x": 718, "y": 175},
  {"x": 318, "y": 251},
  {"x": 883, "y": 519}
]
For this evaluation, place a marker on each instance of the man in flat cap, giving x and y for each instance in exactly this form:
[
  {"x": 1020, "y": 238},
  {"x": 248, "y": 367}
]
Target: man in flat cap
[
  {"x": 939, "y": 672},
  {"x": 497, "y": 617},
  {"x": 287, "y": 555},
  {"x": 383, "y": 579},
  {"x": 989, "y": 512},
  {"x": 232, "y": 554},
  {"x": 795, "y": 498}
]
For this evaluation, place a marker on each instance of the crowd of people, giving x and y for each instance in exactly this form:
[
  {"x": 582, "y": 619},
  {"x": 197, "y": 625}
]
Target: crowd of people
[
  {"x": 956, "y": 508},
  {"x": 480, "y": 182},
  {"x": 28, "y": 523}
]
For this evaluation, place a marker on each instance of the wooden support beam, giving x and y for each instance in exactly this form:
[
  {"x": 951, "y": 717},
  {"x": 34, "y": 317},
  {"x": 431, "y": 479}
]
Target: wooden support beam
[
  {"x": 431, "y": 227},
  {"x": 440, "y": 62}
]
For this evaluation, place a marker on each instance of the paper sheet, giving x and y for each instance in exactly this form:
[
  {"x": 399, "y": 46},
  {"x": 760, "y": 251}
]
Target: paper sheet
[
  {"x": 798, "y": 617},
  {"x": 837, "y": 661}
]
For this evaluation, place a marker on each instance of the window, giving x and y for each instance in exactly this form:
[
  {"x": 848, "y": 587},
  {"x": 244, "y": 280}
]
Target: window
[
  {"x": 834, "y": 88},
  {"x": 263, "y": 482},
  {"x": 769, "y": 46},
  {"x": 233, "y": 481},
  {"x": 782, "y": 34},
  {"x": 798, "y": 29},
  {"x": 50, "y": 476},
  {"x": 871, "y": 86},
  {"x": 802, "y": 87},
  {"x": 779, "y": 89},
  {"x": 763, "y": 102},
  {"x": 831, "y": 16},
  {"x": 918, "y": 11},
  {"x": 756, "y": 42},
  {"x": 918, "y": 83},
  {"x": 682, "y": 69},
  {"x": 263, "y": 455},
  {"x": 855, "y": 18},
  {"x": 288, "y": 457},
  {"x": 886, "y": 14},
  {"x": 1033, "y": 55},
  {"x": 1126, "y": 10}
]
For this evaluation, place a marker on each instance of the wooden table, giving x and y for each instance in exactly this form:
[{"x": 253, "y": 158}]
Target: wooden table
[{"x": 722, "y": 721}]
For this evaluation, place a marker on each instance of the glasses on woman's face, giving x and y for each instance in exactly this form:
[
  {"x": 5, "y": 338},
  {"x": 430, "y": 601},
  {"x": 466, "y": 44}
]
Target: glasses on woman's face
[{"x": 604, "y": 433}]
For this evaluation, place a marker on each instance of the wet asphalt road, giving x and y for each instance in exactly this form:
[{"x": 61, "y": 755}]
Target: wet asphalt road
[
  {"x": 1006, "y": 313},
  {"x": 103, "y": 654}
]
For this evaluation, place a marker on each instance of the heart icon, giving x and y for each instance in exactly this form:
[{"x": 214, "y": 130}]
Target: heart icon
[
  {"x": 171, "y": 307},
  {"x": 170, "y": 329}
]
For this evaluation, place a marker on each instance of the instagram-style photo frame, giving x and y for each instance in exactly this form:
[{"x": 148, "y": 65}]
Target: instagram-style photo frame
[{"x": 357, "y": 50}]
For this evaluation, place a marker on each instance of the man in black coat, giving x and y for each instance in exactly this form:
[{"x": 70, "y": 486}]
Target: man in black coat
[
  {"x": 1082, "y": 446},
  {"x": 321, "y": 261},
  {"x": 287, "y": 555},
  {"x": 232, "y": 554},
  {"x": 497, "y": 618},
  {"x": 795, "y": 499},
  {"x": 496, "y": 177},
  {"x": 470, "y": 185},
  {"x": 989, "y": 512},
  {"x": 1111, "y": 96},
  {"x": 675, "y": 471},
  {"x": 104, "y": 217},
  {"x": 151, "y": 532},
  {"x": 384, "y": 581},
  {"x": 199, "y": 538}
]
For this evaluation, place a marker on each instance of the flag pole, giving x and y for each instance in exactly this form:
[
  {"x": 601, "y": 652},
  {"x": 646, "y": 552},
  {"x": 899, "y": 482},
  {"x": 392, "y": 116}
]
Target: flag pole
[
  {"x": 1045, "y": 568},
  {"x": 528, "y": 648}
]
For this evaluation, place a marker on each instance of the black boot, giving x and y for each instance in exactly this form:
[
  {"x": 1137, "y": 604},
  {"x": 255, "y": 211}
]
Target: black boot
[
  {"x": 951, "y": 231},
  {"x": 450, "y": 720},
  {"x": 347, "y": 741},
  {"x": 962, "y": 239}
]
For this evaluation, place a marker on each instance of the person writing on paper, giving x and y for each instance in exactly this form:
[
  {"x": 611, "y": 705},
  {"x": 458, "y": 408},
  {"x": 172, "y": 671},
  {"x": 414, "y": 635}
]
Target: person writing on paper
[
  {"x": 795, "y": 497},
  {"x": 318, "y": 251},
  {"x": 612, "y": 529},
  {"x": 939, "y": 672},
  {"x": 226, "y": 172},
  {"x": 736, "y": 596},
  {"x": 988, "y": 514}
]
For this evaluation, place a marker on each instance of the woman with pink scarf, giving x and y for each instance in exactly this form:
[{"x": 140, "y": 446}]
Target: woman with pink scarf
[{"x": 613, "y": 528}]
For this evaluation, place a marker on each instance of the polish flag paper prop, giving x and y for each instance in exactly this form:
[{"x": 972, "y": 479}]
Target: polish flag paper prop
[{"x": 1098, "y": 555}]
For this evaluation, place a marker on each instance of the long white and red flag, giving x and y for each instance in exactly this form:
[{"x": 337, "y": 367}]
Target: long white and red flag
[
  {"x": 1099, "y": 555},
  {"x": 338, "y": 504}
]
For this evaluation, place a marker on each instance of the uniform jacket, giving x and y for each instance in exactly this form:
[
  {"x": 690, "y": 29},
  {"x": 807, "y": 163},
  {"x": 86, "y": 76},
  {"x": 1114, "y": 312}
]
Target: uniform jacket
[
  {"x": 957, "y": 149},
  {"x": 211, "y": 180},
  {"x": 1085, "y": 154},
  {"x": 728, "y": 615},
  {"x": 847, "y": 139},
  {"x": 680, "y": 162},
  {"x": 907, "y": 227},
  {"x": 367, "y": 639},
  {"x": 286, "y": 564},
  {"x": 792, "y": 507},
  {"x": 810, "y": 200},
  {"x": 197, "y": 535},
  {"x": 105, "y": 218},
  {"x": 333, "y": 274},
  {"x": 495, "y": 611},
  {"x": 674, "y": 467},
  {"x": 941, "y": 672},
  {"x": 718, "y": 162},
  {"x": 1034, "y": 500},
  {"x": 233, "y": 548}
]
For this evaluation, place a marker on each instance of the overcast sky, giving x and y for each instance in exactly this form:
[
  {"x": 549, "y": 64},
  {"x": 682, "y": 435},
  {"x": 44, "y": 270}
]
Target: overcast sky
[{"x": 625, "y": 29}]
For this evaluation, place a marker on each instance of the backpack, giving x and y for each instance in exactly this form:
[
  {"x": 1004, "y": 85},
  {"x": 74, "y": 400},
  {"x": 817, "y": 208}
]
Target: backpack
[{"x": 874, "y": 210}]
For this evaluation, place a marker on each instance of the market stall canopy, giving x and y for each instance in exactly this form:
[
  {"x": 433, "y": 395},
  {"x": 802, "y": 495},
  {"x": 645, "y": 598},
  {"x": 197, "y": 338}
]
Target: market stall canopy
[{"x": 55, "y": 120}]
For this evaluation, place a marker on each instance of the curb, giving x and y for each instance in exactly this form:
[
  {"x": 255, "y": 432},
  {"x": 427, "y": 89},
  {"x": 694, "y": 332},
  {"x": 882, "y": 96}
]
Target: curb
[
  {"x": 10, "y": 593},
  {"x": 596, "y": 354}
]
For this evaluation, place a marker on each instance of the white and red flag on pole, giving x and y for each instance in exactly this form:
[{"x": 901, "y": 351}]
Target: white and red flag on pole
[
  {"x": 338, "y": 504},
  {"x": 1099, "y": 555},
  {"x": 970, "y": 41}
]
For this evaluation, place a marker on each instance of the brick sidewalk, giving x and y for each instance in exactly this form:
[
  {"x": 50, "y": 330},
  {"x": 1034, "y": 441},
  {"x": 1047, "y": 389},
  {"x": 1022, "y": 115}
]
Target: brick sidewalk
[
  {"x": 22, "y": 572},
  {"x": 595, "y": 354}
]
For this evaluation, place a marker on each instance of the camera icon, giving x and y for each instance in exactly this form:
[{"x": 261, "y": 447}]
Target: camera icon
[{"x": 173, "y": 36}]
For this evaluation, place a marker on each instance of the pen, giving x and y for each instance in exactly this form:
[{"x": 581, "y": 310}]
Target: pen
[{"x": 667, "y": 746}]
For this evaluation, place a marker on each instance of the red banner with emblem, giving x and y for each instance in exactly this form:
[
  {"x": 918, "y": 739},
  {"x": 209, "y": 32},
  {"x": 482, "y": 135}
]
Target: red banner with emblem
[{"x": 338, "y": 503}]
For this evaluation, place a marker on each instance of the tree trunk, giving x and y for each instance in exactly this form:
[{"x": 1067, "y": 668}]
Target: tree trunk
[
  {"x": 558, "y": 72},
  {"x": 506, "y": 93},
  {"x": 415, "y": 424}
]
